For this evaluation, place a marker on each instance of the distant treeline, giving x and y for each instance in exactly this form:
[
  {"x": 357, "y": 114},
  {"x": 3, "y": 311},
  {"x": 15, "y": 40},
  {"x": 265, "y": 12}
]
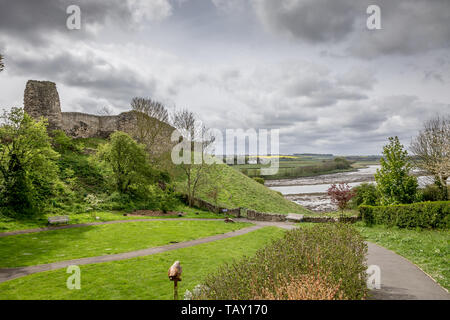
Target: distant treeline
[{"x": 323, "y": 167}]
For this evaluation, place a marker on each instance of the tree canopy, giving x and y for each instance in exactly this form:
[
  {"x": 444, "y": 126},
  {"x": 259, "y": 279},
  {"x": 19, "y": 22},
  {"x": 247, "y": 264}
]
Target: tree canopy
[
  {"x": 394, "y": 182},
  {"x": 28, "y": 171}
]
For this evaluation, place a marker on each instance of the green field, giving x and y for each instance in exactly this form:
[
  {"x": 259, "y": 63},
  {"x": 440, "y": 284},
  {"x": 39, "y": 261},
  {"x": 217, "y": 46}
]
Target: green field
[
  {"x": 140, "y": 278},
  {"x": 428, "y": 249},
  {"x": 66, "y": 244}
]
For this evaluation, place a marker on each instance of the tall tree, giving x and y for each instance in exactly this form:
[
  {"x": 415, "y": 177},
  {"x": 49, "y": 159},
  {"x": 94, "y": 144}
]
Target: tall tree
[
  {"x": 432, "y": 150},
  {"x": 152, "y": 126},
  {"x": 196, "y": 139},
  {"x": 394, "y": 182},
  {"x": 28, "y": 171},
  {"x": 127, "y": 159}
]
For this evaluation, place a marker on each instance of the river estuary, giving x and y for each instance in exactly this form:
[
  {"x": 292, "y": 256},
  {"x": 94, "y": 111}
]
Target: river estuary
[{"x": 311, "y": 192}]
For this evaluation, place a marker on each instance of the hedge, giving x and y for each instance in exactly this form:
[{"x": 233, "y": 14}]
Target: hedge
[
  {"x": 421, "y": 214},
  {"x": 326, "y": 256}
]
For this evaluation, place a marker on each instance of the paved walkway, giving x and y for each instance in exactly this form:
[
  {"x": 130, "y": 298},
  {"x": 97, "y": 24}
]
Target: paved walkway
[{"x": 400, "y": 279}]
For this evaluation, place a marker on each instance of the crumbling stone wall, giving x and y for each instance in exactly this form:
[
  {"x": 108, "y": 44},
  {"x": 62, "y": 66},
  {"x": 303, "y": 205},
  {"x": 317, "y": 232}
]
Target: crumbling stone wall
[
  {"x": 82, "y": 125},
  {"x": 41, "y": 99}
]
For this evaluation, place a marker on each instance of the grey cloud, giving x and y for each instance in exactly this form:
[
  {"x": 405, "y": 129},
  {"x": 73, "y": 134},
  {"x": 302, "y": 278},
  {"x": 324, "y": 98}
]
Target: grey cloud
[
  {"x": 95, "y": 75},
  {"x": 38, "y": 21},
  {"x": 309, "y": 20},
  {"x": 408, "y": 26}
]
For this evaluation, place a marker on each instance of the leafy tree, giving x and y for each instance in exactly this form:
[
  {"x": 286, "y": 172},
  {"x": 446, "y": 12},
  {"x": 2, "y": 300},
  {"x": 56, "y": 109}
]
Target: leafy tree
[
  {"x": 128, "y": 161},
  {"x": 394, "y": 183},
  {"x": 28, "y": 171}
]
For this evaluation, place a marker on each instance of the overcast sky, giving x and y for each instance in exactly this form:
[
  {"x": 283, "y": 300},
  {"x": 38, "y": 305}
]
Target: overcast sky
[{"x": 308, "y": 67}]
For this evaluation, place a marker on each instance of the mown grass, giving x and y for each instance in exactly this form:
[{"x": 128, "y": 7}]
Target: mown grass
[
  {"x": 237, "y": 190},
  {"x": 140, "y": 278},
  {"x": 9, "y": 224},
  {"x": 428, "y": 249},
  {"x": 66, "y": 244}
]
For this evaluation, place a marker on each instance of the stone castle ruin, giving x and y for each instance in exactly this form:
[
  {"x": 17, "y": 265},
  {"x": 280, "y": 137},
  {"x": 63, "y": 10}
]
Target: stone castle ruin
[{"x": 41, "y": 98}]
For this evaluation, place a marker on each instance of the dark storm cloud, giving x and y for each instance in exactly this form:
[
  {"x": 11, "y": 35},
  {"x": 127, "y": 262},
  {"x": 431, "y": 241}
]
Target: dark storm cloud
[
  {"x": 408, "y": 26},
  {"x": 38, "y": 21},
  {"x": 309, "y": 20},
  {"x": 94, "y": 74}
]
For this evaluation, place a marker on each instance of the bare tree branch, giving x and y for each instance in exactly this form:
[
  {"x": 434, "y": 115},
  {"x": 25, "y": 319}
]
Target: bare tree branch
[{"x": 432, "y": 149}]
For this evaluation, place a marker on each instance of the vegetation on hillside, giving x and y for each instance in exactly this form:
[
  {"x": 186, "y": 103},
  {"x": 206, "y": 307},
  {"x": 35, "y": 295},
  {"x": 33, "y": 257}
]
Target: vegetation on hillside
[{"x": 28, "y": 170}]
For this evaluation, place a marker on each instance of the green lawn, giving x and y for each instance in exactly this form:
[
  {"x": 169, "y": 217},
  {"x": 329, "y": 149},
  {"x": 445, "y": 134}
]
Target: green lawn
[
  {"x": 9, "y": 224},
  {"x": 66, "y": 244},
  {"x": 140, "y": 278},
  {"x": 428, "y": 249}
]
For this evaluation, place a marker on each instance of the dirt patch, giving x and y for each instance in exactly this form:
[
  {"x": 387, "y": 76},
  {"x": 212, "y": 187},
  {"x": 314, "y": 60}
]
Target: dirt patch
[{"x": 151, "y": 213}]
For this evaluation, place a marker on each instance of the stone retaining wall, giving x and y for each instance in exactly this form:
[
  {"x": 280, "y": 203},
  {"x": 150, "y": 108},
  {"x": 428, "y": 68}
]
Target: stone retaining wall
[
  {"x": 330, "y": 219},
  {"x": 205, "y": 205},
  {"x": 261, "y": 216}
]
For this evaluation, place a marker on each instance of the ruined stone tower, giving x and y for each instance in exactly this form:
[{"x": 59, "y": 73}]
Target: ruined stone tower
[{"x": 41, "y": 99}]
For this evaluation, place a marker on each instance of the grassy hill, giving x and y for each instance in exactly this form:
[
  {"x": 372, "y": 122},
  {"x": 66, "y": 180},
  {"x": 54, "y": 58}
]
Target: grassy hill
[
  {"x": 234, "y": 188},
  {"x": 86, "y": 186},
  {"x": 237, "y": 190}
]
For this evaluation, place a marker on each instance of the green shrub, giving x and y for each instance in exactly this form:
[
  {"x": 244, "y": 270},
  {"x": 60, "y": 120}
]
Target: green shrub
[
  {"x": 365, "y": 194},
  {"x": 416, "y": 215},
  {"x": 432, "y": 192},
  {"x": 335, "y": 252},
  {"x": 62, "y": 143},
  {"x": 259, "y": 180}
]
